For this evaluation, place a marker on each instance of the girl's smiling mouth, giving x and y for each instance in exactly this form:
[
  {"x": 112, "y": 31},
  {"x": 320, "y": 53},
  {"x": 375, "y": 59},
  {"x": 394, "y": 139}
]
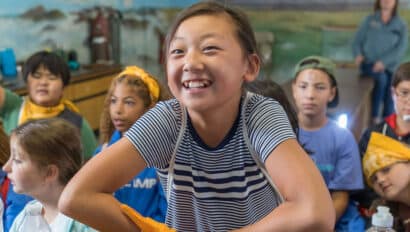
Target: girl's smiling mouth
[{"x": 196, "y": 84}]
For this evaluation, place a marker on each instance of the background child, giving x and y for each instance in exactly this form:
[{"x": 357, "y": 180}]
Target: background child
[
  {"x": 132, "y": 93},
  {"x": 395, "y": 126},
  {"x": 332, "y": 148},
  {"x": 46, "y": 75},
  {"x": 45, "y": 154},
  {"x": 386, "y": 165},
  {"x": 227, "y": 160}
]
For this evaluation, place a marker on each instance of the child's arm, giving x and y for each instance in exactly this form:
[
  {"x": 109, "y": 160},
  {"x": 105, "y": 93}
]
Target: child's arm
[
  {"x": 308, "y": 205},
  {"x": 88, "y": 196},
  {"x": 340, "y": 202}
]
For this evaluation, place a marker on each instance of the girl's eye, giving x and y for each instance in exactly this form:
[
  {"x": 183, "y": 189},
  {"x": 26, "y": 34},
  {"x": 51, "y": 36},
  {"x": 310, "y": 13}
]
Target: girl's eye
[
  {"x": 130, "y": 103},
  {"x": 36, "y": 75},
  {"x": 302, "y": 86},
  {"x": 52, "y": 77},
  {"x": 321, "y": 87},
  {"x": 17, "y": 161},
  {"x": 373, "y": 179},
  {"x": 210, "y": 48},
  {"x": 177, "y": 51},
  {"x": 113, "y": 101},
  {"x": 385, "y": 170}
]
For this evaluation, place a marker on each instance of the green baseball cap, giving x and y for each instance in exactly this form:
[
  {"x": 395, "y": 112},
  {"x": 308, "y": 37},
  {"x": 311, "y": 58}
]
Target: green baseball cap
[{"x": 324, "y": 64}]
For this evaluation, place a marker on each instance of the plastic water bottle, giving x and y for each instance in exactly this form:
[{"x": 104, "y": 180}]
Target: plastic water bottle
[
  {"x": 382, "y": 221},
  {"x": 33, "y": 221},
  {"x": 1, "y": 213}
]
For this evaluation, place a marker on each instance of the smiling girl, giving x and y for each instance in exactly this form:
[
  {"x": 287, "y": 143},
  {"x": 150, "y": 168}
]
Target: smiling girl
[{"x": 227, "y": 159}]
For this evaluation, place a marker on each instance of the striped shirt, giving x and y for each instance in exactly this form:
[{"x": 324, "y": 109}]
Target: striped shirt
[{"x": 213, "y": 189}]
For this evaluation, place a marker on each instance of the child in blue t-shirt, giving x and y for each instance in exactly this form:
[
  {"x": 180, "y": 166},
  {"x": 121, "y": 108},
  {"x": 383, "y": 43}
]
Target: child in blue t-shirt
[
  {"x": 332, "y": 148},
  {"x": 131, "y": 94}
]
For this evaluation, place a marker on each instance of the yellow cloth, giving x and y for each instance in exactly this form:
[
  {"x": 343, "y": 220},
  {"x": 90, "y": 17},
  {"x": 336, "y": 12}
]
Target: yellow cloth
[
  {"x": 145, "y": 224},
  {"x": 32, "y": 111},
  {"x": 151, "y": 83},
  {"x": 381, "y": 152}
]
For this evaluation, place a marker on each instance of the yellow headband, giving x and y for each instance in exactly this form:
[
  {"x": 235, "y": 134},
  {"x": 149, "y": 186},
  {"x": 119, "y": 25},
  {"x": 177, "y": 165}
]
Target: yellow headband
[
  {"x": 383, "y": 151},
  {"x": 151, "y": 83}
]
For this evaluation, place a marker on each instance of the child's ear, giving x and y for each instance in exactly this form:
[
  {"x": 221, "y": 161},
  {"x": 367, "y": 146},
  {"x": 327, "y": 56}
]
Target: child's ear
[
  {"x": 294, "y": 89},
  {"x": 252, "y": 71},
  {"x": 52, "y": 172},
  {"x": 332, "y": 94},
  {"x": 393, "y": 93}
]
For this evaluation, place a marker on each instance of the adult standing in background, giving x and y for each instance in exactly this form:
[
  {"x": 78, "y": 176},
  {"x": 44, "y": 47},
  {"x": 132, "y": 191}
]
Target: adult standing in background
[{"x": 379, "y": 45}]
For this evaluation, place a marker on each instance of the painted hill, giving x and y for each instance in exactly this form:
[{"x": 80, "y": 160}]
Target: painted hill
[
  {"x": 306, "y": 4},
  {"x": 40, "y": 13}
]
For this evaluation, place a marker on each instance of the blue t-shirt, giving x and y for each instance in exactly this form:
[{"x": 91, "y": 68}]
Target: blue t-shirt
[
  {"x": 336, "y": 154},
  {"x": 144, "y": 192}
]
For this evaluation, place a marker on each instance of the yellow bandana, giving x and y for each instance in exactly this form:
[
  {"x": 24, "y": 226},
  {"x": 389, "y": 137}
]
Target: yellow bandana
[
  {"x": 381, "y": 152},
  {"x": 30, "y": 110},
  {"x": 151, "y": 83},
  {"x": 145, "y": 224}
]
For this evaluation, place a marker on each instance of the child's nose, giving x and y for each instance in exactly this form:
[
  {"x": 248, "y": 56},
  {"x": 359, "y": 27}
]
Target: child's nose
[
  {"x": 380, "y": 177},
  {"x": 43, "y": 80},
  {"x": 192, "y": 62},
  {"x": 310, "y": 92},
  {"x": 6, "y": 166},
  {"x": 118, "y": 108}
]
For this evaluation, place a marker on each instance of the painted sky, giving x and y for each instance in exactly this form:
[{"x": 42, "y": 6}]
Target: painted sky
[{"x": 16, "y": 7}]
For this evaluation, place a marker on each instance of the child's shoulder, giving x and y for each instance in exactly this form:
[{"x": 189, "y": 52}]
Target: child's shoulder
[
  {"x": 336, "y": 128},
  {"x": 167, "y": 108},
  {"x": 329, "y": 130},
  {"x": 256, "y": 100},
  {"x": 343, "y": 135},
  {"x": 170, "y": 103},
  {"x": 34, "y": 206}
]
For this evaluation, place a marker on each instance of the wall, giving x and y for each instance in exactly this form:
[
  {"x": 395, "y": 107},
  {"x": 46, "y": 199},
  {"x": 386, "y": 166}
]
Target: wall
[{"x": 30, "y": 25}]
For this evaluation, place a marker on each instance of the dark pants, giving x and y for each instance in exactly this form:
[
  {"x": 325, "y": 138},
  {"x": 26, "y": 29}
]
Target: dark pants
[{"x": 381, "y": 91}]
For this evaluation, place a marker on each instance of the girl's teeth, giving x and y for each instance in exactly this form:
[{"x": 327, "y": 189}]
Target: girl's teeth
[{"x": 193, "y": 84}]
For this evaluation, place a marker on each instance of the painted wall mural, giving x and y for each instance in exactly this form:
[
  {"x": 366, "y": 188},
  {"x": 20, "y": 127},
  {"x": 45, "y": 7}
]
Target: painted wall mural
[{"x": 137, "y": 29}]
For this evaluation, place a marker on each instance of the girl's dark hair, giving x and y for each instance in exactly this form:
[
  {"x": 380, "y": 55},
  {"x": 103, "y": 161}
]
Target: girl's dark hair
[
  {"x": 402, "y": 74},
  {"x": 243, "y": 28},
  {"x": 4, "y": 146},
  {"x": 52, "y": 141},
  {"x": 269, "y": 88},
  {"x": 51, "y": 61},
  {"x": 377, "y": 7}
]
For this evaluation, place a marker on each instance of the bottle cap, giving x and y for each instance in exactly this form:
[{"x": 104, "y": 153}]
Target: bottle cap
[{"x": 383, "y": 218}]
